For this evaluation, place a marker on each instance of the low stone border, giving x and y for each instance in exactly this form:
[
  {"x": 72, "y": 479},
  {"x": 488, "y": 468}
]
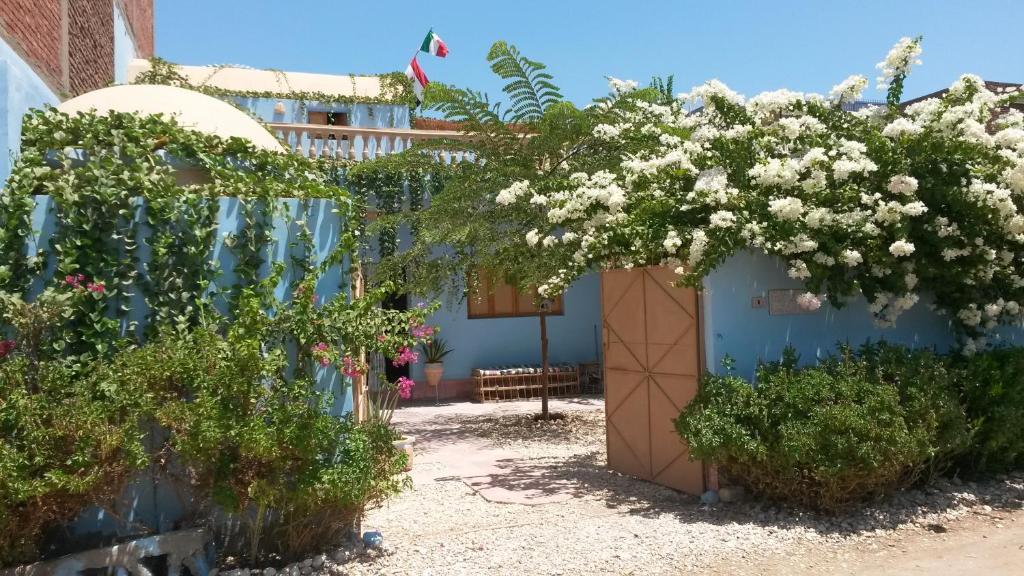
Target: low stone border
[{"x": 183, "y": 548}]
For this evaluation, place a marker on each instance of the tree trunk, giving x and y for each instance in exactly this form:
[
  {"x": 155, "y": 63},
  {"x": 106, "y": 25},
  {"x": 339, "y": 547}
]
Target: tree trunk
[{"x": 544, "y": 366}]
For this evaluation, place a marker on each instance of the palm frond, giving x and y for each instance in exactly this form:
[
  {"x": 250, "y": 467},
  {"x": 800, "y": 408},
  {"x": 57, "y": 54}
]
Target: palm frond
[
  {"x": 664, "y": 88},
  {"x": 530, "y": 88}
]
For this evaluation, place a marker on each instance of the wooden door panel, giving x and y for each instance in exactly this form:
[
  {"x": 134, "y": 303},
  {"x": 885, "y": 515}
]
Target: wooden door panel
[
  {"x": 652, "y": 370},
  {"x": 628, "y": 424}
]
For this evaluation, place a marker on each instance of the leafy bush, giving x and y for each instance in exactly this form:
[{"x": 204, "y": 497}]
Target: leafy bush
[
  {"x": 254, "y": 432},
  {"x": 265, "y": 448},
  {"x": 991, "y": 385},
  {"x": 829, "y": 436},
  {"x": 68, "y": 439}
]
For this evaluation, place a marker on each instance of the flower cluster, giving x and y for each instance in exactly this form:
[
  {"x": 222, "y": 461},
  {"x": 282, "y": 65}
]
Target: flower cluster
[
  {"x": 421, "y": 332},
  {"x": 352, "y": 367},
  {"x": 404, "y": 386},
  {"x": 79, "y": 281},
  {"x": 322, "y": 354},
  {"x": 405, "y": 355},
  {"x": 6, "y": 347},
  {"x": 877, "y": 201}
]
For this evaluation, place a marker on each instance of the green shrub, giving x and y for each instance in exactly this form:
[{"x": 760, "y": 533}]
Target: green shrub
[
  {"x": 68, "y": 438},
  {"x": 263, "y": 447},
  {"x": 832, "y": 435},
  {"x": 991, "y": 385}
]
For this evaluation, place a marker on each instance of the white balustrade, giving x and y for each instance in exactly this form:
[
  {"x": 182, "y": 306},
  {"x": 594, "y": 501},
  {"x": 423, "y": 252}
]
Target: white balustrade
[{"x": 352, "y": 143}]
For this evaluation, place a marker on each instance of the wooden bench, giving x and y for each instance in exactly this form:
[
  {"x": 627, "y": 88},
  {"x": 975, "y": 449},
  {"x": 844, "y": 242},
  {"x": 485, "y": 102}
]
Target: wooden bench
[{"x": 524, "y": 382}]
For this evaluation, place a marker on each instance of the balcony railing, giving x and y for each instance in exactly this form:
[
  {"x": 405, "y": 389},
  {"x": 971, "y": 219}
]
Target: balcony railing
[{"x": 351, "y": 143}]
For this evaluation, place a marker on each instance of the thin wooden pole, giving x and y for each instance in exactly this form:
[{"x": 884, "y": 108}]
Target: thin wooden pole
[{"x": 544, "y": 365}]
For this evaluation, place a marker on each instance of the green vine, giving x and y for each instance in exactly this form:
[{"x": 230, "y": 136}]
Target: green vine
[
  {"x": 120, "y": 184},
  {"x": 395, "y": 87}
]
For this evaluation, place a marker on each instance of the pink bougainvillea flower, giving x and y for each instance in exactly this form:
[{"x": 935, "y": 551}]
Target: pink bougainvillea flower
[
  {"x": 404, "y": 386},
  {"x": 319, "y": 347},
  {"x": 422, "y": 331},
  {"x": 350, "y": 368},
  {"x": 405, "y": 356},
  {"x": 74, "y": 280},
  {"x": 96, "y": 287},
  {"x": 6, "y": 346}
]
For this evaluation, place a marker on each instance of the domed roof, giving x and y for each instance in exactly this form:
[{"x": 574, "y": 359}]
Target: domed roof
[{"x": 191, "y": 109}]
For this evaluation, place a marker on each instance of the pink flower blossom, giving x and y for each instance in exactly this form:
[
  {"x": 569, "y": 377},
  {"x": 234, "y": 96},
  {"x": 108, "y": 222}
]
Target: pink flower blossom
[
  {"x": 96, "y": 287},
  {"x": 6, "y": 346},
  {"x": 405, "y": 356},
  {"x": 422, "y": 332},
  {"x": 381, "y": 337},
  {"x": 350, "y": 367},
  {"x": 319, "y": 347},
  {"x": 404, "y": 386},
  {"x": 74, "y": 280}
]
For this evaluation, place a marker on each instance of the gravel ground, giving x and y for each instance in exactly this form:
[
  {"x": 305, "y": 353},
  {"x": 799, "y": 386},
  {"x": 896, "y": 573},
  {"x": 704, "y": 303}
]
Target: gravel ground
[{"x": 614, "y": 524}]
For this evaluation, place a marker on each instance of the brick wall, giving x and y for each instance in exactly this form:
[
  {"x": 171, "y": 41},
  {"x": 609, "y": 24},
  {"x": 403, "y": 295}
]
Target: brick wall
[
  {"x": 139, "y": 14},
  {"x": 33, "y": 29},
  {"x": 70, "y": 43},
  {"x": 90, "y": 45}
]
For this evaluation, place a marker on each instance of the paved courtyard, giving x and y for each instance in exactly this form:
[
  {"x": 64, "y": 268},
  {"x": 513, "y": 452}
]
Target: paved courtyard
[{"x": 496, "y": 493}]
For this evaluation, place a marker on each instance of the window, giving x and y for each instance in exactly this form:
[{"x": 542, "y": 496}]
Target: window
[
  {"x": 490, "y": 299},
  {"x": 328, "y": 118}
]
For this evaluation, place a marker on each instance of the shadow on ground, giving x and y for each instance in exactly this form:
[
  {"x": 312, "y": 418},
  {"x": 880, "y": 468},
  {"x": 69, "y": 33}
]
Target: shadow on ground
[{"x": 586, "y": 476}]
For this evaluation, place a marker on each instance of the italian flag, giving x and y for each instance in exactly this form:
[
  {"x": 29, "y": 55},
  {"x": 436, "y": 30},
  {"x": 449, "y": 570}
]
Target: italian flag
[
  {"x": 419, "y": 79},
  {"x": 433, "y": 44}
]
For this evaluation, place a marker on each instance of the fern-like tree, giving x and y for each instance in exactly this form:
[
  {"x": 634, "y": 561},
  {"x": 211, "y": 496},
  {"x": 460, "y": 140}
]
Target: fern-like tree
[{"x": 536, "y": 135}]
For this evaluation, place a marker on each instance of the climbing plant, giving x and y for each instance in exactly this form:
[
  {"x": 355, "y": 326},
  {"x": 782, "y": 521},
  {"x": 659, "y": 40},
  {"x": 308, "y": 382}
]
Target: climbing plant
[
  {"x": 397, "y": 184},
  {"x": 120, "y": 181},
  {"x": 395, "y": 87}
]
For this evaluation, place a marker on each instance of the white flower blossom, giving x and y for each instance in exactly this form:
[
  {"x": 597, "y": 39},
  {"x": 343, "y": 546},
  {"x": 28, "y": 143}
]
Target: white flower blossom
[
  {"x": 849, "y": 90},
  {"x": 901, "y": 248},
  {"x": 532, "y": 237},
  {"x": 899, "y": 60},
  {"x": 672, "y": 242},
  {"x": 722, "y": 219},
  {"x": 902, "y": 184},
  {"x": 852, "y": 258},
  {"x": 808, "y": 301},
  {"x": 512, "y": 193},
  {"x": 788, "y": 208}
]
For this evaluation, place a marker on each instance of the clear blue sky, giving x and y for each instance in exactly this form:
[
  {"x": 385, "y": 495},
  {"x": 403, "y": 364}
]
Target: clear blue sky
[{"x": 805, "y": 45}]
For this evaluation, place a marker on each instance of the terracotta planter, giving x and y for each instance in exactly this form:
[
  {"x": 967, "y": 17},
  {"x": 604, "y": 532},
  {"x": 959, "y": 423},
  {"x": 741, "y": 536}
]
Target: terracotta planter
[
  {"x": 405, "y": 444},
  {"x": 433, "y": 371}
]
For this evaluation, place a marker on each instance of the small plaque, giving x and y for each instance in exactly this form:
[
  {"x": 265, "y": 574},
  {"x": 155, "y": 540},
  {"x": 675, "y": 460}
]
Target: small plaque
[{"x": 784, "y": 303}]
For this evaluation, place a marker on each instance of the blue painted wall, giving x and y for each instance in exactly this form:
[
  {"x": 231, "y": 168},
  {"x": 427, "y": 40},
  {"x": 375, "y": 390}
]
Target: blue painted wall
[
  {"x": 20, "y": 89},
  {"x": 124, "y": 46},
  {"x": 484, "y": 343},
  {"x": 155, "y": 500},
  {"x": 296, "y": 112},
  {"x": 732, "y": 327}
]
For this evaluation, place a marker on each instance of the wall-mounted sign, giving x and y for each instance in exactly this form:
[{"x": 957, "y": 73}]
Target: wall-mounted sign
[{"x": 784, "y": 303}]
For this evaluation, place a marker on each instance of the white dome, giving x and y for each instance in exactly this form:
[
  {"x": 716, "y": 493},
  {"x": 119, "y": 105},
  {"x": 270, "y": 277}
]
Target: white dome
[{"x": 192, "y": 110}]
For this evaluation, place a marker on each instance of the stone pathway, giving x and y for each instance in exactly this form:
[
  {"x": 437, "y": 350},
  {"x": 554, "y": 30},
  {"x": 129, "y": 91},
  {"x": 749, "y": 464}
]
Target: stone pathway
[{"x": 446, "y": 450}]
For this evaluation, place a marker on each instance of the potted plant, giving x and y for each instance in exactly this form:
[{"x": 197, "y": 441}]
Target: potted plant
[{"x": 434, "y": 353}]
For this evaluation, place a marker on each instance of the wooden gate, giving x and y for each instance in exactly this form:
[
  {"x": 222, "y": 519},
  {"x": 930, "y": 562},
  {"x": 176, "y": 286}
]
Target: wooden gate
[{"x": 652, "y": 367}]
